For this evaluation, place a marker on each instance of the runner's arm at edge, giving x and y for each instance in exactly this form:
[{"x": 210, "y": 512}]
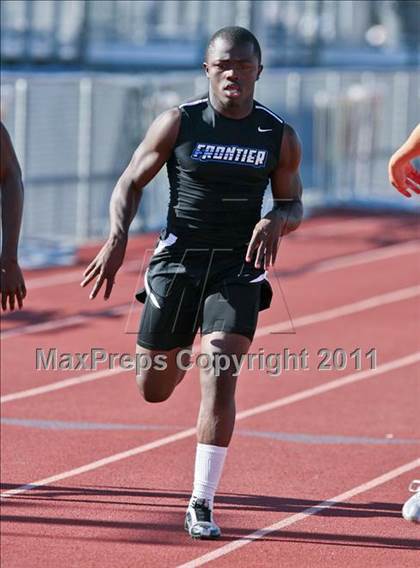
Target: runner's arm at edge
[
  {"x": 144, "y": 165},
  {"x": 402, "y": 174},
  {"x": 287, "y": 211},
  {"x": 12, "y": 281},
  {"x": 286, "y": 184}
]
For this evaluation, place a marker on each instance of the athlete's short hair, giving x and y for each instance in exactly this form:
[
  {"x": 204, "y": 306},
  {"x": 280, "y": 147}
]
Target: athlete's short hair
[{"x": 236, "y": 35}]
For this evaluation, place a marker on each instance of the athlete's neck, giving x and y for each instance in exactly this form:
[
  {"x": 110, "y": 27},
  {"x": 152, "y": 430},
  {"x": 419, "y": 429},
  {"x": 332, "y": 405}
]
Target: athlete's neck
[{"x": 232, "y": 109}]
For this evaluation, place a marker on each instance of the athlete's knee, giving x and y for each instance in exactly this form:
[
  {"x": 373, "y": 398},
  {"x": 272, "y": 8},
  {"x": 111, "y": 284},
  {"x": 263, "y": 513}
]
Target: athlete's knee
[
  {"x": 154, "y": 396},
  {"x": 157, "y": 385},
  {"x": 152, "y": 390}
]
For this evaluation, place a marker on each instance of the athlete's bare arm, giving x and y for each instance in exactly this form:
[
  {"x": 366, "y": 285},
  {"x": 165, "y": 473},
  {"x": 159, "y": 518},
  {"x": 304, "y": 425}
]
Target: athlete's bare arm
[
  {"x": 146, "y": 162},
  {"x": 12, "y": 283},
  {"x": 402, "y": 174},
  {"x": 287, "y": 212}
]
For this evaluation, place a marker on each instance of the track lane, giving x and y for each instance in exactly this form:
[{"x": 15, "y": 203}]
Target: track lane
[
  {"x": 298, "y": 302},
  {"x": 312, "y": 393},
  {"x": 124, "y": 521},
  {"x": 123, "y": 512},
  {"x": 297, "y": 257},
  {"x": 330, "y": 507}
]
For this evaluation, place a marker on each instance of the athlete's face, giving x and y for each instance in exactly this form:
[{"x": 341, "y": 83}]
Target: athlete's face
[{"x": 232, "y": 71}]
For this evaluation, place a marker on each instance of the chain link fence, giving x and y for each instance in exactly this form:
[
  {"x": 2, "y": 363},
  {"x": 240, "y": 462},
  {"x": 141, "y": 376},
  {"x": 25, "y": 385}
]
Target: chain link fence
[{"x": 74, "y": 134}]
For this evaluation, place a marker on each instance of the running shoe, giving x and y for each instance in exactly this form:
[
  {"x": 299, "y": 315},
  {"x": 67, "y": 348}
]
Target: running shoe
[
  {"x": 411, "y": 508},
  {"x": 199, "y": 520}
]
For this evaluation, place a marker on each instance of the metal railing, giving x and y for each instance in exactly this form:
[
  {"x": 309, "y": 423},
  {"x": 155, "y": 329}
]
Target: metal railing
[{"x": 74, "y": 135}]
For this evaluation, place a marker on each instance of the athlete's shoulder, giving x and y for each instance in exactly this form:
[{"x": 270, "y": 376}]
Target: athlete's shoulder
[
  {"x": 9, "y": 161},
  {"x": 268, "y": 115},
  {"x": 199, "y": 102},
  {"x": 291, "y": 148},
  {"x": 168, "y": 119}
]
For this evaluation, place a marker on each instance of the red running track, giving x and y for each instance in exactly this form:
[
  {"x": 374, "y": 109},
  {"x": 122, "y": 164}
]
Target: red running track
[{"x": 114, "y": 473}]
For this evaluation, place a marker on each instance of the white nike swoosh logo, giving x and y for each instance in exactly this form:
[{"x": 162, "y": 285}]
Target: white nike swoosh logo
[{"x": 264, "y": 129}]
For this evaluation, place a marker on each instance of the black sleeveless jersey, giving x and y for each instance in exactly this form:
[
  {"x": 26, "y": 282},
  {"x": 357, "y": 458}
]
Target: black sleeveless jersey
[{"x": 218, "y": 172}]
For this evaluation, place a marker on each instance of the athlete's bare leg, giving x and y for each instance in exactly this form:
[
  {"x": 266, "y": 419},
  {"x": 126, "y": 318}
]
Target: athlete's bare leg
[
  {"x": 216, "y": 418},
  {"x": 156, "y": 384},
  {"x": 215, "y": 425}
]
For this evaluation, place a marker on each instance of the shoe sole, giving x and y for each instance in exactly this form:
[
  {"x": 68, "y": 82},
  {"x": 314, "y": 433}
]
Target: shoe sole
[{"x": 200, "y": 537}]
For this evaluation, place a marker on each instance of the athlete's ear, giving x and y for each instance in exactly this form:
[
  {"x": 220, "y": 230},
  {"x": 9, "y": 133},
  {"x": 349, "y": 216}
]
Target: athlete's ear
[
  {"x": 206, "y": 68},
  {"x": 260, "y": 68}
]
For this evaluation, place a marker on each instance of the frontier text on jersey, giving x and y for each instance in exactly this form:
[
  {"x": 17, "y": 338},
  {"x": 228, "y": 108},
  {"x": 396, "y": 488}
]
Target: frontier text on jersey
[{"x": 238, "y": 155}]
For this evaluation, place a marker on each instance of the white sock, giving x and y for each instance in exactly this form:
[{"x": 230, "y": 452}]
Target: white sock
[{"x": 209, "y": 461}]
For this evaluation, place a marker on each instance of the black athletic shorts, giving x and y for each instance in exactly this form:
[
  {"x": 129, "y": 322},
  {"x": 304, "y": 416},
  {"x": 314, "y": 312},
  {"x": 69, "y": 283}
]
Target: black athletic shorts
[{"x": 210, "y": 290}]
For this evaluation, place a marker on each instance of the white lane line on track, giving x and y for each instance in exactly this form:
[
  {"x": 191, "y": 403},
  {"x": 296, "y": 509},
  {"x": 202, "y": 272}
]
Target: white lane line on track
[
  {"x": 326, "y": 315},
  {"x": 345, "y": 310},
  {"x": 74, "y": 275},
  {"x": 338, "y": 227},
  {"x": 334, "y": 228},
  {"x": 51, "y": 387},
  {"x": 100, "y": 463},
  {"x": 364, "y": 257},
  {"x": 292, "y": 519},
  {"x": 308, "y": 393},
  {"x": 62, "y": 323},
  {"x": 346, "y": 261},
  {"x": 331, "y": 385}
]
